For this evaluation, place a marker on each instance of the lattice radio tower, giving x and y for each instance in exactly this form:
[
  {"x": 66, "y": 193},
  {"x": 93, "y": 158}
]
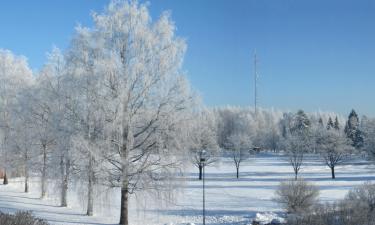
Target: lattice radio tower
[{"x": 256, "y": 77}]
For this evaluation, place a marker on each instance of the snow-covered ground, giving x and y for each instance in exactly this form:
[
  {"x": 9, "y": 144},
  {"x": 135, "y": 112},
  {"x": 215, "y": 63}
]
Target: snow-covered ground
[{"x": 228, "y": 200}]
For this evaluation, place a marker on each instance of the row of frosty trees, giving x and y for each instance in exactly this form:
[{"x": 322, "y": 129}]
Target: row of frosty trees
[
  {"x": 112, "y": 109},
  {"x": 240, "y": 133}
]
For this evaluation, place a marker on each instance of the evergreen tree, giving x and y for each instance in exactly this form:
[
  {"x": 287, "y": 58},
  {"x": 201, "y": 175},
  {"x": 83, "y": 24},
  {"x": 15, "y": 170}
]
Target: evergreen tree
[
  {"x": 320, "y": 121},
  {"x": 301, "y": 122},
  {"x": 337, "y": 124},
  {"x": 352, "y": 130},
  {"x": 330, "y": 124}
]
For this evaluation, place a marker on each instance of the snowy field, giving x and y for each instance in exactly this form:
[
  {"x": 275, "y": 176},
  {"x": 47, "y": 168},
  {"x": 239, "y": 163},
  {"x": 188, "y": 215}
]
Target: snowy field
[{"x": 228, "y": 200}]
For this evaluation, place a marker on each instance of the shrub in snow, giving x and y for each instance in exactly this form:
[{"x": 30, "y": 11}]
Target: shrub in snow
[
  {"x": 20, "y": 218},
  {"x": 358, "y": 208},
  {"x": 363, "y": 196},
  {"x": 333, "y": 214},
  {"x": 361, "y": 201},
  {"x": 297, "y": 196}
]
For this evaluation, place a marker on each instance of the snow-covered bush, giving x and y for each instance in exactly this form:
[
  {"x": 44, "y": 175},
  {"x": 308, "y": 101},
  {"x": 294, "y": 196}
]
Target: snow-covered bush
[
  {"x": 357, "y": 208},
  {"x": 20, "y": 218},
  {"x": 297, "y": 196},
  {"x": 362, "y": 199},
  {"x": 337, "y": 214}
]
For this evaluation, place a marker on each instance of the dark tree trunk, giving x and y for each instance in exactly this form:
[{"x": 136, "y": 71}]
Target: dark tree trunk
[
  {"x": 333, "y": 172},
  {"x": 26, "y": 158},
  {"x": 124, "y": 217},
  {"x": 26, "y": 180},
  {"x": 44, "y": 172},
  {"x": 90, "y": 200},
  {"x": 295, "y": 175},
  {"x": 127, "y": 145},
  {"x": 65, "y": 178},
  {"x": 200, "y": 172},
  {"x": 5, "y": 182},
  {"x": 238, "y": 171},
  {"x": 26, "y": 184}
]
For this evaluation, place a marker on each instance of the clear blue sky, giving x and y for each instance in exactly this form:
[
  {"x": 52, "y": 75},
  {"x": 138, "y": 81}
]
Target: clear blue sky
[{"x": 316, "y": 54}]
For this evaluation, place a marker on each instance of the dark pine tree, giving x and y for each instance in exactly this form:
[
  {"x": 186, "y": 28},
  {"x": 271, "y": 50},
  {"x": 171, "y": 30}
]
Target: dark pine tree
[
  {"x": 330, "y": 124},
  {"x": 352, "y": 130},
  {"x": 301, "y": 122},
  {"x": 336, "y": 124},
  {"x": 320, "y": 121}
]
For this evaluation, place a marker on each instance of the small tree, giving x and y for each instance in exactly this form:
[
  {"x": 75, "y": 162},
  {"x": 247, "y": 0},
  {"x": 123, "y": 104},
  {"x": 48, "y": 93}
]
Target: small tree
[
  {"x": 14, "y": 76},
  {"x": 203, "y": 139},
  {"x": 333, "y": 147},
  {"x": 297, "y": 196},
  {"x": 240, "y": 149},
  {"x": 296, "y": 145}
]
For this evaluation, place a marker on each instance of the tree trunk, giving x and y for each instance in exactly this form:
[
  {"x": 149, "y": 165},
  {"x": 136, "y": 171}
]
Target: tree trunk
[
  {"x": 44, "y": 172},
  {"x": 90, "y": 200},
  {"x": 5, "y": 182},
  {"x": 26, "y": 180},
  {"x": 64, "y": 182},
  {"x": 238, "y": 171},
  {"x": 333, "y": 172},
  {"x": 200, "y": 172},
  {"x": 295, "y": 175},
  {"x": 127, "y": 144},
  {"x": 124, "y": 217},
  {"x": 26, "y": 158}
]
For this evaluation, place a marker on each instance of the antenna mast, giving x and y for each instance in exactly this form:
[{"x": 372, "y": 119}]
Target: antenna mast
[{"x": 255, "y": 84}]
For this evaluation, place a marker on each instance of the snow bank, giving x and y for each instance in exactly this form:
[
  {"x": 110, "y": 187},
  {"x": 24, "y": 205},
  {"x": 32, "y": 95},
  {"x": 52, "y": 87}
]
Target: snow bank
[{"x": 268, "y": 218}]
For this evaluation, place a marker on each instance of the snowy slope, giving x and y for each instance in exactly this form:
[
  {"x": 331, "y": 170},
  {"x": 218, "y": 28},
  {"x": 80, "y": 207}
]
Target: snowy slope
[{"x": 228, "y": 200}]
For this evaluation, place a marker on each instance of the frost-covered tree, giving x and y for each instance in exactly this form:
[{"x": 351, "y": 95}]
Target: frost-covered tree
[
  {"x": 272, "y": 139},
  {"x": 86, "y": 65},
  {"x": 22, "y": 136},
  {"x": 14, "y": 76},
  {"x": 362, "y": 199},
  {"x": 203, "y": 140},
  {"x": 296, "y": 146},
  {"x": 263, "y": 130},
  {"x": 227, "y": 121},
  {"x": 240, "y": 149},
  {"x": 147, "y": 97},
  {"x": 297, "y": 142},
  {"x": 368, "y": 127},
  {"x": 48, "y": 112},
  {"x": 297, "y": 196},
  {"x": 333, "y": 147},
  {"x": 300, "y": 122},
  {"x": 61, "y": 88}
]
